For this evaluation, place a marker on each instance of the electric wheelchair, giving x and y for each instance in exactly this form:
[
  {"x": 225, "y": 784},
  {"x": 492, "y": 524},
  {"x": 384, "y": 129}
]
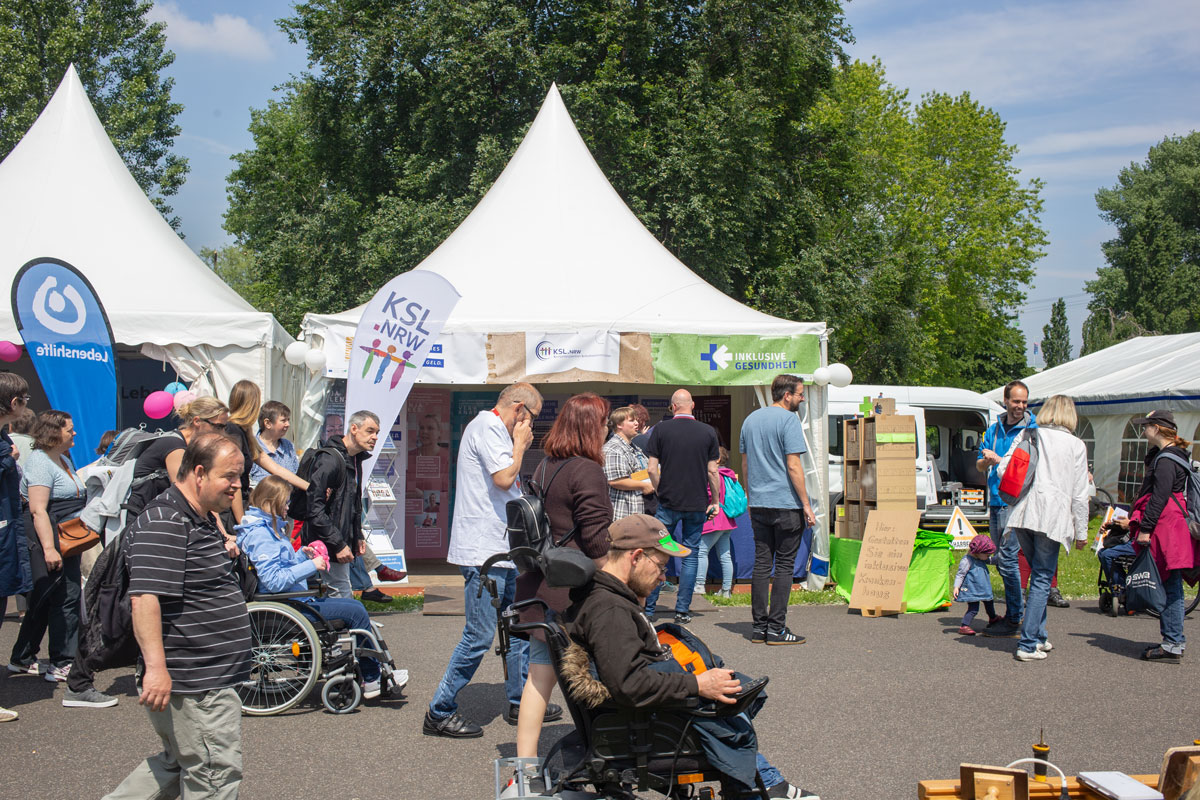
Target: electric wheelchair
[
  {"x": 293, "y": 647},
  {"x": 618, "y": 750}
]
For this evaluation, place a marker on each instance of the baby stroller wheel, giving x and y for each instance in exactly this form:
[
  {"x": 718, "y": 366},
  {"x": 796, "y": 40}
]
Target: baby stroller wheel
[{"x": 341, "y": 694}]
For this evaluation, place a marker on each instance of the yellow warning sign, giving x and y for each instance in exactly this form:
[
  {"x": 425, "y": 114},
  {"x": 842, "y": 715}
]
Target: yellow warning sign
[{"x": 961, "y": 529}]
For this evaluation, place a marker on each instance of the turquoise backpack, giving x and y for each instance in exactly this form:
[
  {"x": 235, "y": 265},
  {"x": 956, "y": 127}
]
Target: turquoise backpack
[{"x": 734, "y": 504}]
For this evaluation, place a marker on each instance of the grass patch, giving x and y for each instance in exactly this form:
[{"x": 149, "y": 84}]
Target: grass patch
[
  {"x": 400, "y": 604},
  {"x": 825, "y": 597}
]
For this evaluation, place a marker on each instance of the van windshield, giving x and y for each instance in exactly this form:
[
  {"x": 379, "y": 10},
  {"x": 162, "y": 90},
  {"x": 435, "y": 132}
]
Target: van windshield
[{"x": 835, "y": 434}]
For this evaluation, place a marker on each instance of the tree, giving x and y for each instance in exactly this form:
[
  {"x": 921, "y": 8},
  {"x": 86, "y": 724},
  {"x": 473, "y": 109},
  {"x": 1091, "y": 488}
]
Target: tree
[
  {"x": 924, "y": 237},
  {"x": 693, "y": 110},
  {"x": 119, "y": 57},
  {"x": 236, "y": 267},
  {"x": 1153, "y": 263},
  {"x": 1056, "y": 336}
]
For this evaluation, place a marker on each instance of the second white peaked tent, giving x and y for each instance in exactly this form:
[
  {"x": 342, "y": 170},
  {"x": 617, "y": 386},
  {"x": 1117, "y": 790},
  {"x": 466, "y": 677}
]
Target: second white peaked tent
[
  {"x": 65, "y": 193},
  {"x": 552, "y": 248}
]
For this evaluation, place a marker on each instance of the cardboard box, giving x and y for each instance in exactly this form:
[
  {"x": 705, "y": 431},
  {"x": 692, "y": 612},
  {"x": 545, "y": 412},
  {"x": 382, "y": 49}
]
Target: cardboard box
[
  {"x": 893, "y": 479},
  {"x": 852, "y": 440},
  {"x": 890, "y": 437},
  {"x": 884, "y": 406},
  {"x": 852, "y": 485},
  {"x": 854, "y": 530}
]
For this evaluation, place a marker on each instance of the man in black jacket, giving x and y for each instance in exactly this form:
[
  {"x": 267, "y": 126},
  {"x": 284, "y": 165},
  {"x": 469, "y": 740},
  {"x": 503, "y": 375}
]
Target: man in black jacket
[
  {"x": 606, "y": 620},
  {"x": 334, "y": 498}
]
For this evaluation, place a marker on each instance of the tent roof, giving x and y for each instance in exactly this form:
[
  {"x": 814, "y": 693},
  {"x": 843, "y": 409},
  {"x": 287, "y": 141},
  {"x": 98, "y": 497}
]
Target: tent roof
[
  {"x": 553, "y": 248},
  {"x": 1135, "y": 375},
  {"x": 65, "y": 193}
]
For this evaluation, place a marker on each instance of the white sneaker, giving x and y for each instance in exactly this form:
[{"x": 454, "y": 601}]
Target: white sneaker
[
  {"x": 371, "y": 689},
  {"x": 1025, "y": 655},
  {"x": 26, "y": 669},
  {"x": 57, "y": 674},
  {"x": 1045, "y": 647},
  {"x": 8, "y": 715},
  {"x": 400, "y": 678}
]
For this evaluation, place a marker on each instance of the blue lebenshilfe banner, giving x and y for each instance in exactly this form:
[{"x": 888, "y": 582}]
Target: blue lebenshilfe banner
[{"x": 70, "y": 342}]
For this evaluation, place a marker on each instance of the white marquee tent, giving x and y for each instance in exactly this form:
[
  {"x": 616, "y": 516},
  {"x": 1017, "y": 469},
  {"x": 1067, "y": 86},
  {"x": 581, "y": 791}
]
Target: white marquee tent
[
  {"x": 553, "y": 249},
  {"x": 1112, "y": 386},
  {"x": 65, "y": 193}
]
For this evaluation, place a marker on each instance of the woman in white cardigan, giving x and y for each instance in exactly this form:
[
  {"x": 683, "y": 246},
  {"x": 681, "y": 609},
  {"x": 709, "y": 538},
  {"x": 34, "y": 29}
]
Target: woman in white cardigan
[{"x": 1052, "y": 513}]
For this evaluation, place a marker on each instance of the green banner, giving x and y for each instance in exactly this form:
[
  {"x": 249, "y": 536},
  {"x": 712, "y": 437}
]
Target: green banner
[{"x": 693, "y": 360}]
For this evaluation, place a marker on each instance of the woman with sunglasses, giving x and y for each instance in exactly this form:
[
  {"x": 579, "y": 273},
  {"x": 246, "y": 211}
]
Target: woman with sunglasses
[{"x": 14, "y": 551}]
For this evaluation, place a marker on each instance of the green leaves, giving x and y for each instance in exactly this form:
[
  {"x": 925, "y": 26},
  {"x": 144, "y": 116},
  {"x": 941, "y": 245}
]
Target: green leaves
[
  {"x": 1153, "y": 267},
  {"x": 1056, "y": 336},
  {"x": 119, "y": 58}
]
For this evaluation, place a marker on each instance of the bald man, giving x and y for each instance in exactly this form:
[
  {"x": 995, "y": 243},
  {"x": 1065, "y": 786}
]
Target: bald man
[{"x": 683, "y": 455}]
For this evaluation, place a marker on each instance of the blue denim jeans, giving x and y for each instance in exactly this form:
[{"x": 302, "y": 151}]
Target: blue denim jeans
[
  {"x": 355, "y": 616},
  {"x": 770, "y": 776},
  {"x": 717, "y": 544},
  {"x": 360, "y": 581},
  {"x": 477, "y": 636},
  {"x": 1114, "y": 573},
  {"x": 1170, "y": 621},
  {"x": 692, "y": 529},
  {"x": 1042, "y": 554},
  {"x": 1007, "y": 565}
]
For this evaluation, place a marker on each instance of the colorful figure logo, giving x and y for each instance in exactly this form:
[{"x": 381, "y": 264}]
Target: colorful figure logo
[{"x": 386, "y": 358}]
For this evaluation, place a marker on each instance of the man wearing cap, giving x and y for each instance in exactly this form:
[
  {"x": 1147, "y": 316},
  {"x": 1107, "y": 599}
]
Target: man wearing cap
[{"x": 607, "y": 622}]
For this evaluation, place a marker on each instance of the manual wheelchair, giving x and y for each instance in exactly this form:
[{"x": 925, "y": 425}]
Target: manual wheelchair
[{"x": 293, "y": 647}]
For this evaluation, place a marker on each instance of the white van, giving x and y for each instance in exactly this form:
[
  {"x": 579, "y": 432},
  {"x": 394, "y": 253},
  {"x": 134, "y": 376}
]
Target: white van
[{"x": 954, "y": 421}]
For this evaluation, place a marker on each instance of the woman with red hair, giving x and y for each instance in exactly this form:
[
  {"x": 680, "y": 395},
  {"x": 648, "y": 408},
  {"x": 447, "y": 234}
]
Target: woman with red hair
[{"x": 571, "y": 477}]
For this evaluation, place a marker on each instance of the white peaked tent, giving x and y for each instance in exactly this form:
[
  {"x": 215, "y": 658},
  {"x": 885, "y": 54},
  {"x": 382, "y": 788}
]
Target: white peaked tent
[
  {"x": 65, "y": 193},
  {"x": 552, "y": 249},
  {"x": 1114, "y": 385}
]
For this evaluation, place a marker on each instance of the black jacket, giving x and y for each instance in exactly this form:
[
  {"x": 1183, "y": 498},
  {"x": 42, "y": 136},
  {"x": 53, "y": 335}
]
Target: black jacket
[
  {"x": 607, "y": 621},
  {"x": 337, "y": 519},
  {"x": 1161, "y": 482}
]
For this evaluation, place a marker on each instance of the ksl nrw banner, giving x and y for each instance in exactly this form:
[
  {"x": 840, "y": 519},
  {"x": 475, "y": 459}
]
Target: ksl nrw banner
[
  {"x": 396, "y": 332},
  {"x": 70, "y": 342}
]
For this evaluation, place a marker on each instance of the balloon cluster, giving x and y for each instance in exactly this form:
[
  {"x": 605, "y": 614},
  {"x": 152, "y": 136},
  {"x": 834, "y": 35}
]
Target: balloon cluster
[
  {"x": 837, "y": 374},
  {"x": 159, "y": 404},
  {"x": 298, "y": 353}
]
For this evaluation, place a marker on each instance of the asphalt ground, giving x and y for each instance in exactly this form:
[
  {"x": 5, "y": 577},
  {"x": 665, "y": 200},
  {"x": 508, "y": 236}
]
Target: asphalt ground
[{"x": 862, "y": 711}]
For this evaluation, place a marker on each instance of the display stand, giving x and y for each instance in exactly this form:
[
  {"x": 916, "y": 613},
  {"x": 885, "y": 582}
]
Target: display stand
[{"x": 927, "y": 587}]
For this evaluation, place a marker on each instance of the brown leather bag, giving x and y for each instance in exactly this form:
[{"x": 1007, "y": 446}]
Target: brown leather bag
[{"x": 74, "y": 538}]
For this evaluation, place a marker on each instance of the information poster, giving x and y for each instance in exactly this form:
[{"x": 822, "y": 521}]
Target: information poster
[
  {"x": 427, "y": 478},
  {"x": 717, "y": 411},
  {"x": 335, "y": 411}
]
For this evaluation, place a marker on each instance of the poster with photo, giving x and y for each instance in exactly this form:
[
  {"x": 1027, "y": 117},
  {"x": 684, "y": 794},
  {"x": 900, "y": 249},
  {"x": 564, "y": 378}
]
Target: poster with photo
[
  {"x": 427, "y": 477},
  {"x": 716, "y": 410},
  {"x": 335, "y": 411}
]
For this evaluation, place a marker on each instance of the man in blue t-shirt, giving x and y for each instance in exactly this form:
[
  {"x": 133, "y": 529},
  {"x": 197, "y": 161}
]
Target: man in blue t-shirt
[
  {"x": 780, "y": 512},
  {"x": 992, "y": 449}
]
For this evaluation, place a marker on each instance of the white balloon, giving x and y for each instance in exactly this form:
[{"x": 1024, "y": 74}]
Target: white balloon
[
  {"x": 315, "y": 360},
  {"x": 821, "y": 376},
  {"x": 295, "y": 352},
  {"x": 840, "y": 375}
]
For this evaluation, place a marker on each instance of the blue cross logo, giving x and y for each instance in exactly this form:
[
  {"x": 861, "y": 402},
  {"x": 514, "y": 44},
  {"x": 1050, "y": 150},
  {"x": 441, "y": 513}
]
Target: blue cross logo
[{"x": 712, "y": 365}]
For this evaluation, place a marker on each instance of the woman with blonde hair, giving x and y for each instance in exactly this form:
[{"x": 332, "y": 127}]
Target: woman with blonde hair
[
  {"x": 1051, "y": 514},
  {"x": 245, "y": 402}
]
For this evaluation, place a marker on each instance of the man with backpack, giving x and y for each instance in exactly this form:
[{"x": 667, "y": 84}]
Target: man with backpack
[
  {"x": 995, "y": 444},
  {"x": 772, "y": 441},
  {"x": 488, "y": 476},
  {"x": 331, "y": 508}
]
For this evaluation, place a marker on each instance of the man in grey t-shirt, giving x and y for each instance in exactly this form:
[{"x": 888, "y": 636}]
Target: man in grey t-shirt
[{"x": 773, "y": 440}]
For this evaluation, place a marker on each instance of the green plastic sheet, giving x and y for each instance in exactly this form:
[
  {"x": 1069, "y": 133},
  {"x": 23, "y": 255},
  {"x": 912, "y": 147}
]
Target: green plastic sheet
[{"x": 927, "y": 587}]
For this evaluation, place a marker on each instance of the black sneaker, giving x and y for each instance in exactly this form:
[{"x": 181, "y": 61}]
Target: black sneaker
[
  {"x": 1002, "y": 629},
  {"x": 1056, "y": 599},
  {"x": 1158, "y": 654},
  {"x": 452, "y": 727},
  {"x": 758, "y": 636},
  {"x": 553, "y": 713},
  {"x": 376, "y": 596},
  {"x": 683, "y": 619},
  {"x": 785, "y": 636}
]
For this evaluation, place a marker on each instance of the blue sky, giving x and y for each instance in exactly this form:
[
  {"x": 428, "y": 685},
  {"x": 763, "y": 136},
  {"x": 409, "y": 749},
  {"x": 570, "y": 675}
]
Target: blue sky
[{"x": 1085, "y": 89}]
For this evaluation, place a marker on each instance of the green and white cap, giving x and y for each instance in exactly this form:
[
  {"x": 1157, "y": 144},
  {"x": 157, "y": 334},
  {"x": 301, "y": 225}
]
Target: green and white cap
[{"x": 645, "y": 532}]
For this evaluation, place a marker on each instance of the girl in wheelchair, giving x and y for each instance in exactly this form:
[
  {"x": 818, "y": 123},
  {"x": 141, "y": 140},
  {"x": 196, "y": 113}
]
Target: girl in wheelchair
[{"x": 263, "y": 536}]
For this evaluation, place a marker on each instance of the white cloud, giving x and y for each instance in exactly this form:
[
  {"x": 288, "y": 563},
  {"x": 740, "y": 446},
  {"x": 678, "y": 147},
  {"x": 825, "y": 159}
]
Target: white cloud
[
  {"x": 211, "y": 145},
  {"x": 225, "y": 34},
  {"x": 1101, "y": 138},
  {"x": 1038, "y": 52},
  {"x": 1090, "y": 168}
]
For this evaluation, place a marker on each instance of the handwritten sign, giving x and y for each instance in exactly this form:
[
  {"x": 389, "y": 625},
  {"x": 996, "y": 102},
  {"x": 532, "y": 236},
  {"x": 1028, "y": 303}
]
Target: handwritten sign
[{"x": 883, "y": 561}]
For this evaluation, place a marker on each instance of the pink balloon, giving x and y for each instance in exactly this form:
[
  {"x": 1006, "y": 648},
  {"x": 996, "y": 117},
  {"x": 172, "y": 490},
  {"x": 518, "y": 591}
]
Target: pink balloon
[
  {"x": 181, "y": 399},
  {"x": 9, "y": 351},
  {"x": 158, "y": 404}
]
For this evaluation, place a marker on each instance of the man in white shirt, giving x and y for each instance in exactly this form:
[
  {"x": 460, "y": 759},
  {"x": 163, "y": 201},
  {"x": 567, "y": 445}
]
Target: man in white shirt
[{"x": 488, "y": 476}]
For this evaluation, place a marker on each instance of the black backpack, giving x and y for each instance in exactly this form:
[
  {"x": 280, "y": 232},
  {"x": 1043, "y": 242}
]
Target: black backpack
[
  {"x": 108, "y": 635},
  {"x": 1191, "y": 493},
  {"x": 531, "y": 542},
  {"x": 298, "y": 505}
]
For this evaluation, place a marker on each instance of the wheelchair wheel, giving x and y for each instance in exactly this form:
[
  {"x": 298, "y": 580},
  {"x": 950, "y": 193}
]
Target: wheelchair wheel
[
  {"x": 285, "y": 659},
  {"x": 341, "y": 694},
  {"x": 1098, "y": 504},
  {"x": 1190, "y": 605}
]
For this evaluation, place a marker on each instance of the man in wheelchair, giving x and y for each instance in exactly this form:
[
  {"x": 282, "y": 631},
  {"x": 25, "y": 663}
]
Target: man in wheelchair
[{"x": 635, "y": 671}]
